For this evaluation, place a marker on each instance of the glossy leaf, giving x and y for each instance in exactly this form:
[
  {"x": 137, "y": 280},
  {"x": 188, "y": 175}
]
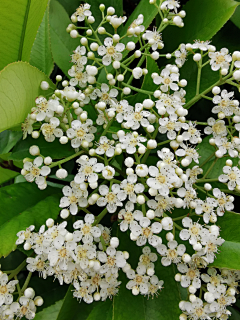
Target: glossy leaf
[
  {"x": 61, "y": 43},
  {"x": 53, "y": 149},
  {"x": 236, "y": 17},
  {"x": 19, "y": 24},
  {"x": 8, "y": 139},
  {"x": 49, "y": 313},
  {"x": 6, "y": 174},
  {"x": 203, "y": 20},
  {"x": 41, "y": 55},
  {"x": 19, "y": 87},
  {"x": 24, "y": 204}
]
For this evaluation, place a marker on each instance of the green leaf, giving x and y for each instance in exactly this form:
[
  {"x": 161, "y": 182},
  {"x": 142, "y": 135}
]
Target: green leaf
[
  {"x": 22, "y": 205},
  {"x": 203, "y": 20},
  {"x": 53, "y": 149},
  {"x": 19, "y": 24},
  {"x": 8, "y": 139},
  {"x": 229, "y": 256},
  {"x": 61, "y": 43},
  {"x": 6, "y": 174},
  {"x": 70, "y": 6},
  {"x": 236, "y": 17},
  {"x": 41, "y": 55},
  {"x": 49, "y": 313},
  {"x": 227, "y": 37},
  {"x": 19, "y": 87}
]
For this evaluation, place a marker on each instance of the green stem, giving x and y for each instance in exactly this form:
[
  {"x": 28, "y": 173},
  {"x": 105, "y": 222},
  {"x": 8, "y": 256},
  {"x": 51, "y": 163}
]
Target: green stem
[
  {"x": 100, "y": 216},
  {"x": 17, "y": 270},
  {"x": 205, "y": 161},
  {"x": 26, "y": 282},
  {"x": 206, "y": 180},
  {"x": 66, "y": 159},
  {"x": 103, "y": 243},
  {"x": 210, "y": 168},
  {"x": 199, "y": 76}
]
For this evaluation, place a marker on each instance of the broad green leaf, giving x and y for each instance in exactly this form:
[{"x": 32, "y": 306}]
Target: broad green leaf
[
  {"x": 203, "y": 20},
  {"x": 41, "y": 55},
  {"x": 61, "y": 43},
  {"x": 6, "y": 174},
  {"x": 49, "y": 313},
  {"x": 53, "y": 149},
  {"x": 19, "y": 24},
  {"x": 22, "y": 205},
  {"x": 70, "y": 6},
  {"x": 19, "y": 87},
  {"x": 8, "y": 139},
  {"x": 228, "y": 36},
  {"x": 236, "y": 17},
  {"x": 229, "y": 256}
]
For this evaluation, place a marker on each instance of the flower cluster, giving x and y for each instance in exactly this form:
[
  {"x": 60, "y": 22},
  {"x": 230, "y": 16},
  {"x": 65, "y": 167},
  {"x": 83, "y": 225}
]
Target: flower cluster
[{"x": 139, "y": 161}]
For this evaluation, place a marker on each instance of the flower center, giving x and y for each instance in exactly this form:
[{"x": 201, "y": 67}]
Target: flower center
[
  {"x": 63, "y": 252},
  {"x": 232, "y": 176},
  {"x": 88, "y": 170},
  {"x": 170, "y": 125},
  {"x": 167, "y": 81},
  {"x": 111, "y": 261},
  {"x": 129, "y": 188},
  {"x": 147, "y": 232},
  {"x": 220, "y": 59},
  {"x": 172, "y": 254},
  {"x": 86, "y": 229},
  {"x": 128, "y": 216},
  {"x": 80, "y": 133},
  {"x": 194, "y": 230},
  {"x": 218, "y": 128},
  {"x": 161, "y": 179},
  {"x": 111, "y": 197},
  {"x": 35, "y": 171},
  {"x": 111, "y": 51},
  {"x": 137, "y": 116},
  {"x": 3, "y": 289}
]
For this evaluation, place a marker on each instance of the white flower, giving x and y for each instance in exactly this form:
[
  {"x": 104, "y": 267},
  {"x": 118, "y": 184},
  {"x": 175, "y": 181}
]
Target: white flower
[
  {"x": 26, "y": 235},
  {"x": 112, "y": 259},
  {"x": 162, "y": 180},
  {"x": 206, "y": 207},
  {"x": 137, "y": 117},
  {"x": 170, "y": 102},
  {"x": 191, "y": 276},
  {"x": 146, "y": 259},
  {"x": 196, "y": 310},
  {"x": 141, "y": 170},
  {"x": 83, "y": 11},
  {"x": 188, "y": 193},
  {"x": 154, "y": 38},
  {"x": 105, "y": 146},
  {"x": 201, "y": 45},
  {"x": 109, "y": 198},
  {"x": 145, "y": 231},
  {"x": 224, "y": 202},
  {"x": 36, "y": 172},
  {"x": 189, "y": 153},
  {"x": 130, "y": 141},
  {"x": 192, "y": 134},
  {"x": 170, "y": 5},
  {"x": 87, "y": 231},
  {"x": 78, "y": 76},
  {"x": 193, "y": 174},
  {"x": 230, "y": 176},
  {"x": 50, "y": 130},
  {"x": 27, "y": 127},
  {"x": 116, "y": 21},
  {"x": 225, "y": 146},
  {"x": 45, "y": 108},
  {"x": 6, "y": 289},
  {"x": 220, "y": 59},
  {"x": 38, "y": 264},
  {"x": 194, "y": 233},
  {"x": 84, "y": 253},
  {"x": 81, "y": 131},
  {"x": 25, "y": 308},
  {"x": 167, "y": 79},
  {"x": 161, "y": 204},
  {"x": 136, "y": 25},
  {"x": 138, "y": 282},
  {"x": 110, "y": 52},
  {"x": 170, "y": 125},
  {"x": 121, "y": 108},
  {"x": 72, "y": 199},
  {"x": 82, "y": 292},
  {"x": 181, "y": 55},
  {"x": 173, "y": 254},
  {"x": 211, "y": 243},
  {"x": 224, "y": 103},
  {"x": 108, "y": 172},
  {"x": 78, "y": 57},
  {"x": 105, "y": 95},
  {"x": 128, "y": 216},
  {"x": 130, "y": 188},
  {"x": 87, "y": 170}
]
